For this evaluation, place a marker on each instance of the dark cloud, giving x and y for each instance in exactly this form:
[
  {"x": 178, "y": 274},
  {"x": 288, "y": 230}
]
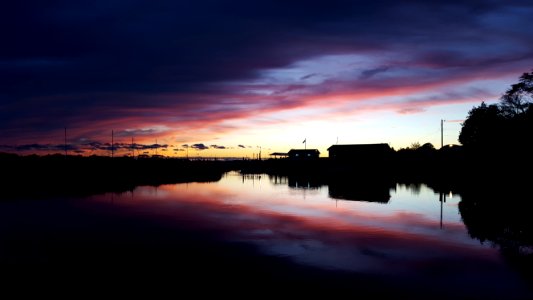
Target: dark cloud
[
  {"x": 40, "y": 147},
  {"x": 242, "y": 146},
  {"x": 80, "y": 147},
  {"x": 218, "y": 147},
  {"x": 138, "y": 132},
  {"x": 199, "y": 147},
  {"x": 369, "y": 73},
  {"x": 125, "y": 146},
  {"x": 308, "y": 76},
  {"x": 153, "y": 146}
]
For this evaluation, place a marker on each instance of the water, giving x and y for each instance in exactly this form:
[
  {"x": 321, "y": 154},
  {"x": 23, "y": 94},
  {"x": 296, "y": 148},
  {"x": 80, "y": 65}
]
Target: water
[{"x": 396, "y": 237}]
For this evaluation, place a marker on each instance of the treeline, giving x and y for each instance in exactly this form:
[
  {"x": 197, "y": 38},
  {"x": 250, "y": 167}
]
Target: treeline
[
  {"x": 497, "y": 139},
  {"x": 505, "y": 128},
  {"x": 56, "y": 175}
]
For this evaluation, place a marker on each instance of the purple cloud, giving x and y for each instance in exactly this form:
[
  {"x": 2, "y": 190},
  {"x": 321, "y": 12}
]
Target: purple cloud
[
  {"x": 83, "y": 67},
  {"x": 199, "y": 147}
]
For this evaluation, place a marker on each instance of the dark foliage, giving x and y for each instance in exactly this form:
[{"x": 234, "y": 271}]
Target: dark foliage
[
  {"x": 503, "y": 129},
  {"x": 52, "y": 175}
]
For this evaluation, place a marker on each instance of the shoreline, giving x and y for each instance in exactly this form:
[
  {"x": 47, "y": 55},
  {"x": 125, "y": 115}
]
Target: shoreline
[{"x": 57, "y": 175}]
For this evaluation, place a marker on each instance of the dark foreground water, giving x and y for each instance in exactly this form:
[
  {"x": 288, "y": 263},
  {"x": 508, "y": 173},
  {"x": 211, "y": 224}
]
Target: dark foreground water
[{"x": 253, "y": 236}]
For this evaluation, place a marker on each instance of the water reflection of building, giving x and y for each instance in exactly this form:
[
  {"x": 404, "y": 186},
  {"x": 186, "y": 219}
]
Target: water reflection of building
[
  {"x": 278, "y": 180},
  {"x": 341, "y": 188},
  {"x": 302, "y": 182},
  {"x": 375, "y": 191},
  {"x": 296, "y": 182}
]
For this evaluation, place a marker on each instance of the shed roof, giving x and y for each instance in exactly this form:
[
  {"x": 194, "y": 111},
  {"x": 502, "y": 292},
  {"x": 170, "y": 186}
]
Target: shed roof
[
  {"x": 305, "y": 151},
  {"x": 359, "y": 146}
]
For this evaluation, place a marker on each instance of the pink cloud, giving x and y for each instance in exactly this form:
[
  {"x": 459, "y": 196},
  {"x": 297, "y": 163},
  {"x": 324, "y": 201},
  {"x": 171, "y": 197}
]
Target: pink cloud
[
  {"x": 208, "y": 114},
  {"x": 275, "y": 225}
]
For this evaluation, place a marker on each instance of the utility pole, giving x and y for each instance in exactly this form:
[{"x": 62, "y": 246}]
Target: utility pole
[
  {"x": 441, "y": 133},
  {"x": 132, "y": 149},
  {"x": 112, "y": 143},
  {"x": 66, "y": 153}
]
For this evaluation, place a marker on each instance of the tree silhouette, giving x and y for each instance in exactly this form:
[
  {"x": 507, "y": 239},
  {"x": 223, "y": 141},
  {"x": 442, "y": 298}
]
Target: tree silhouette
[
  {"x": 427, "y": 147},
  {"x": 519, "y": 97},
  {"x": 414, "y": 146},
  {"x": 482, "y": 127},
  {"x": 502, "y": 128}
]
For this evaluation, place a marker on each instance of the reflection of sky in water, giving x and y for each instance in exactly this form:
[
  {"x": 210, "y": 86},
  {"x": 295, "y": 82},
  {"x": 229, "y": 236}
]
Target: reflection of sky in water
[
  {"x": 401, "y": 238},
  {"x": 260, "y": 218},
  {"x": 361, "y": 235},
  {"x": 312, "y": 228}
]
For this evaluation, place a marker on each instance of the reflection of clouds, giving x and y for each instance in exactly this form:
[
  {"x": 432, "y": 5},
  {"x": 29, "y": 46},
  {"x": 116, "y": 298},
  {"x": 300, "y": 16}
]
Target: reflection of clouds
[
  {"x": 311, "y": 230},
  {"x": 352, "y": 247},
  {"x": 405, "y": 246}
]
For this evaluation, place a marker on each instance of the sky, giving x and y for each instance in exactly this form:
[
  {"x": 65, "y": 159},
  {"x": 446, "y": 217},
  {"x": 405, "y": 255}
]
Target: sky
[{"x": 235, "y": 78}]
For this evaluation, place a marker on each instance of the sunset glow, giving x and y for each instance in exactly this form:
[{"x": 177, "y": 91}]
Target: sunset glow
[
  {"x": 308, "y": 226},
  {"x": 232, "y": 79}
]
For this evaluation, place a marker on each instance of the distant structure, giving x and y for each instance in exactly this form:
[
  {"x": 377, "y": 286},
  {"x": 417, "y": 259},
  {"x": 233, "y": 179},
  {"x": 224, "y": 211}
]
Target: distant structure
[
  {"x": 279, "y": 154},
  {"x": 366, "y": 153},
  {"x": 304, "y": 154}
]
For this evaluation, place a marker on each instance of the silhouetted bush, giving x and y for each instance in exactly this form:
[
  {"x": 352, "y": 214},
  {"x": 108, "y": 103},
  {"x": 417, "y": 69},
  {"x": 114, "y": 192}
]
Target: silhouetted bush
[{"x": 502, "y": 130}]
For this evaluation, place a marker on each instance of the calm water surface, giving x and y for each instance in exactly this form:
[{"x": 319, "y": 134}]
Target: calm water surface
[{"x": 403, "y": 235}]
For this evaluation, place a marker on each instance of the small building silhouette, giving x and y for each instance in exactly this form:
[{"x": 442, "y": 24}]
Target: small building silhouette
[
  {"x": 360, "y": 152},
  {"x": 304, "y": 154},
  {"x": 279, "y": 154}
]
